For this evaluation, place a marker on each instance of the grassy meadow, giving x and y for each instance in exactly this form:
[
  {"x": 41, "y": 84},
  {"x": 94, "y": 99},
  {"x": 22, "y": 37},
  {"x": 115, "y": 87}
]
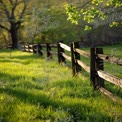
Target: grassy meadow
[{"x": 35, "y": 89}]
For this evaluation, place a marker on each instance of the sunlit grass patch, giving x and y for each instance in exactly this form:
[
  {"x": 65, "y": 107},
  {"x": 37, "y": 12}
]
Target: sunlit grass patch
[{"x": 35, "y": 89}]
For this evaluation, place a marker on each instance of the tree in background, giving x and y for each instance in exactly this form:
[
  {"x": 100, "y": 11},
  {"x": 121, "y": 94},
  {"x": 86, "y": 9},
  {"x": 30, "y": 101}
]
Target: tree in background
[
  {"x": 41, "y": 23},
  {"x": 12, "y": 14},
  {"x": 35, "y": 21}
]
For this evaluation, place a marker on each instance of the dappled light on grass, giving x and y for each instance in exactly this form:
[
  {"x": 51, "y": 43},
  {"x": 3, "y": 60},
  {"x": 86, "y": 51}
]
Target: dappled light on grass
[{"x": 36, "y": 89}]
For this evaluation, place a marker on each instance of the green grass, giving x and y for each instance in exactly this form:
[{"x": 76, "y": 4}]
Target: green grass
[
  {"x": 116, "y": 70},
  {"x": 34, "y": 89}
]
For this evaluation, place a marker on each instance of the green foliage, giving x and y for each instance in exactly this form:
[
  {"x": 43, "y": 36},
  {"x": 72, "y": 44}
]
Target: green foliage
[
  {"x": 97, "y": 2},
  {"x": 92, "y": 11},
  {"x": 115, "y": 3},
  {"x": 87, "y": 28},
  {"x": 73, "y": 14},
  {"x": 113, "y": 24},
  {"x": 42, "y": 19},
  {"x": 90, "y": 14}
]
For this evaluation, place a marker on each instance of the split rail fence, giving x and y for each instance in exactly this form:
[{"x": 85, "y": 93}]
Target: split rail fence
[{"x": 96, "y": 68}]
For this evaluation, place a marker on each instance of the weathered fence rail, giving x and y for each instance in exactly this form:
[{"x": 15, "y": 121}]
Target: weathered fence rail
[
  {"x": 111, "y": 59},
  {"x": 38, "y": 49},
  {"x": 95, "y": 69}
]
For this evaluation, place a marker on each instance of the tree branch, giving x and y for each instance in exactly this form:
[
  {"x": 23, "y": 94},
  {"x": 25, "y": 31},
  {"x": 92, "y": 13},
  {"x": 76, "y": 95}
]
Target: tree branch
[
  {"x": 5, "y": 9},
  {"x": 85, "y": 4},
  {"x": 15, "y": 5},
  {"x": 3, "y": 27},
  {"x": 11, "y": 1},
  {"x": 23, "y": 10},
  {"x": 21, "y": 15}
]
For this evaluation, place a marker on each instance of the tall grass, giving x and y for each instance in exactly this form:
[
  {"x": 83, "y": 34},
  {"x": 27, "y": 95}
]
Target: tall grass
[
  {"x": 116, "y": 70},
  {"x": 35, "y": 89}
]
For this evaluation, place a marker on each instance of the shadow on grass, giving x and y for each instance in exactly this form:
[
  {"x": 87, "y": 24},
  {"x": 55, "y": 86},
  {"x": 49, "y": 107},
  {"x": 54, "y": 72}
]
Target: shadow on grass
[
  {"x": 10, "y": 60},
  {"x": 12, "y": 54},
  {"x": 7, "y": 50},
  {"x": 45, "y": 101},
  {"x": 27, "y": 97},
  {"x": 77, "y": 89},
  {"x": 21, "y": 57},
  {"x": 23, "y": 81},
  {"x": 116, "y": 90},
  {"x": 27, "y": 57},
  {"x": 24, "y": 59},
  {"x": 5, "y": 77}
]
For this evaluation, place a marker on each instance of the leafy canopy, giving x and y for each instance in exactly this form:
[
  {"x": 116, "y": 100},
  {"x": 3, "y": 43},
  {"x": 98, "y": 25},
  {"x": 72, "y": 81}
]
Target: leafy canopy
[{"x": 91, "y": 10}]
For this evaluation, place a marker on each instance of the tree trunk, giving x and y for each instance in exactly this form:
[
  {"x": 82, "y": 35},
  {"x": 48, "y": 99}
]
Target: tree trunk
[{"x": 14, "y": 36}]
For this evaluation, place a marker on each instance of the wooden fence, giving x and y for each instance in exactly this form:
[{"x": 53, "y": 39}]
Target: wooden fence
[
  {"x": 38, "y": 49},
  {"x": 96, "y": 68}
]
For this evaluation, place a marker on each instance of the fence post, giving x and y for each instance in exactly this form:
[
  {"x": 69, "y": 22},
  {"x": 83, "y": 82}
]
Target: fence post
[
  {"x": 28, "y": 48},
  {"x": 39, "y": 50},
  {"x": 96, "y": 64},
  {"x": 73, "y": 59},
  {"x": 34, "y": 48},
  {"x": 77, "y": 57},
  {"x": 59, "y": 51},
  {"x": 24, "y": 47},
  {"x": 92, "y": 67},
  {"x": 99, "y": 66},
  {"x": 49, "y": 55},
  {"x": 61, "y": 59}
]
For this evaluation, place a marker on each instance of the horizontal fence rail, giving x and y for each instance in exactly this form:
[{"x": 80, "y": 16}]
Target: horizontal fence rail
[
  {"x": 64, "y": 46},
  {"x": 95, "y": 55},
  {"x": 83, "y": 53},
  {"x": 111, "y": 59},
  {"x": 83, "y": 65},
  {"x": 113, "y": 79},
  {"x": 38, "y": 49}
]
